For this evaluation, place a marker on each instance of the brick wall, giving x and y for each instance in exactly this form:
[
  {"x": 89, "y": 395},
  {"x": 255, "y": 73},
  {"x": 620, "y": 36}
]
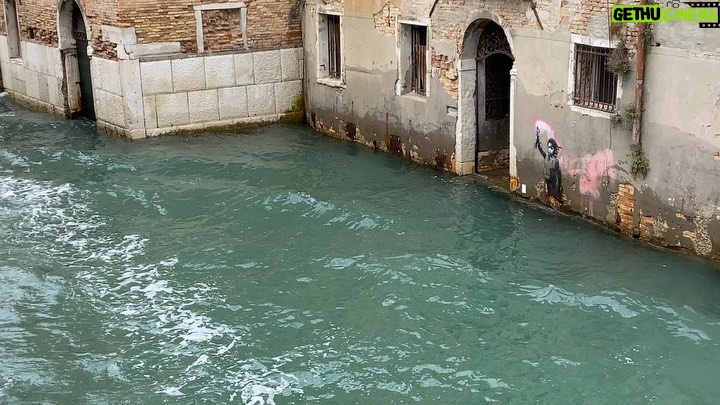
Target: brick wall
[
  {"x": 3, "y": 31},
  {"x": 40, "y": 17},
  {"x": 38, "y": 20},
  {"x": 271, "y": 23}
]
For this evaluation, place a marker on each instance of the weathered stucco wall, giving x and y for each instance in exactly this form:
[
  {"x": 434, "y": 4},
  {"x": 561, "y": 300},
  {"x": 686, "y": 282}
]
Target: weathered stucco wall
[
  {"x": 365, "y": 107},
  {"x": 676, "y": 205}
]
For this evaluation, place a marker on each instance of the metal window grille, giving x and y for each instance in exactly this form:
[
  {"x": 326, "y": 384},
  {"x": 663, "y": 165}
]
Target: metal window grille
[
  {"x": 419, "y": 65},
  {"x": 497, "y": 86},
  {"x": 333, "y": 22},
  {"x": 78, "y": 25},
  {"x": 595, "y": 85}
]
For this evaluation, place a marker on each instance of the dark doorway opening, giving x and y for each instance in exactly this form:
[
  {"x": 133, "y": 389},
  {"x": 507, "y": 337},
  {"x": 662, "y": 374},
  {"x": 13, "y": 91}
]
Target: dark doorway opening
[
  {"x": 79, "y": 32},
  {"x": 494, "y": 62}
]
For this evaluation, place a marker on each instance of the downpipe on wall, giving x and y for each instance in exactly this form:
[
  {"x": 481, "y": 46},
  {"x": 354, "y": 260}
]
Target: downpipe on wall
[{"x": 639, "y": 83}]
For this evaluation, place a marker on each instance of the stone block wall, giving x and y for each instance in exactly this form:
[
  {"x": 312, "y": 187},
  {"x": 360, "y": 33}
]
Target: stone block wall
[
  {"x": 36, "y": 79},
  {"x": 149, "y": 98},
  {"x": 674, "y": 206}
]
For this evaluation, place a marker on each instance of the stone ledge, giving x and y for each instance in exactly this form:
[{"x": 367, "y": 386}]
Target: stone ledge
[
  {"x": 225, "y": 125},
  {"x": 35, "y": 104}
]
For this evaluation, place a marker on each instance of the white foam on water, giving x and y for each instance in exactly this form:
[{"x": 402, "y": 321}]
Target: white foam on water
[
  {"x": 173, "y": 391},
  {"x": 560, "y": 361},
  {"x": 141, "y": 301},
  {"x": 140, "y": 197},
  {"x": 14, "y": 159},
  {"x": 555, "y": 295},
  {"x": 301, "y": 201}
]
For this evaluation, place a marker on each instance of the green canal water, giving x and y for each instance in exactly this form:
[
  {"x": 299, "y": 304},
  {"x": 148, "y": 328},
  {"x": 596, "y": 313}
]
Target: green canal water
[{"x": 278, "y": 266}]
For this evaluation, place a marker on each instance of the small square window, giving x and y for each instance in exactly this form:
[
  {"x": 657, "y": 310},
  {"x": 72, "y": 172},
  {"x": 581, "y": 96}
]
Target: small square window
[{"x": 595, "y": 84}]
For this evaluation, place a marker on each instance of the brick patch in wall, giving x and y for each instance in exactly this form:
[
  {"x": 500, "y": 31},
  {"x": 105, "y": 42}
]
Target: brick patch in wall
[{"x": 626, "y": 209}]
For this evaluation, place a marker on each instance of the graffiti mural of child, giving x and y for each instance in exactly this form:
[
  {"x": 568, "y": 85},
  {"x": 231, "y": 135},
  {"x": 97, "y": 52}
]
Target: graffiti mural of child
[{"x": 551, "y": 166}]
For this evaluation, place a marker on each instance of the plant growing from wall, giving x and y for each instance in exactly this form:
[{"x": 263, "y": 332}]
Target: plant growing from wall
[
  {"x": 618, "y": 61},
  {"x": 630, "y": 115},
  {"x": 617, "y": 30},
  {"x": 639, "y": 164},
  {"x": 647, "y": 34},
  {"x": 617, "y": 119}
]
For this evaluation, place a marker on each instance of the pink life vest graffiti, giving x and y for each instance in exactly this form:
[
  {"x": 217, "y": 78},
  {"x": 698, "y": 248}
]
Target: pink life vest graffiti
[
  {"x": 589, "y": 169},
  {"x": 551, "y": 167}
]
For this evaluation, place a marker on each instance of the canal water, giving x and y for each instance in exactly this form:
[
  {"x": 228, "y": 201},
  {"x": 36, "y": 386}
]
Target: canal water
[{"x": 278, "y": 266}]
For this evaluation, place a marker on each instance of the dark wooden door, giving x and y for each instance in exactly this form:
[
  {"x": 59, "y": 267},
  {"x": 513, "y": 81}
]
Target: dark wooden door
[{"x": 87, "y": 103}]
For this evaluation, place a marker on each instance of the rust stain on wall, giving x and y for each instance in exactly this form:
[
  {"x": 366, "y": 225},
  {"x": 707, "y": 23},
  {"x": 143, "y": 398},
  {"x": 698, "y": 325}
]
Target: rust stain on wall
[
  {"x": 350, "y": 130},
  {"x": 394, "y": 145}
]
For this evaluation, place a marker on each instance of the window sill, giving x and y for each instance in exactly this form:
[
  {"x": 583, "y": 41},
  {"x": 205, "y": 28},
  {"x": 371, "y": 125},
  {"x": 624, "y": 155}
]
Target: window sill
[
  {"x": 17, "y": 60},
  {"x": 416, "y": 97},
  {"x": 327, "y": 81},
  {"x": 591, "y": 112}
]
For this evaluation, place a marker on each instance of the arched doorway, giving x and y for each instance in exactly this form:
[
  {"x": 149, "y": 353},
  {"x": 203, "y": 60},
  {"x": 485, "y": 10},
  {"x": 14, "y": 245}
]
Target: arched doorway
[
  {"x": 494, "y": 62},
  {"x": 79, "y": 32},
  {"x": 486, "y": 72},
  {"x": 73, "y": 42}
]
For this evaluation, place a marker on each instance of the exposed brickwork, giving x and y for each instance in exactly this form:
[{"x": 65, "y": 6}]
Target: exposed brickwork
[
  {"x": 38, "y": 20},
  {"x": 447, "y": 72},
  {"x": 271, "y": 24},
  {"x": 222, "y": 31},
  {"x": 626, "y": 209},
  {"x": 386, "y": 18}
]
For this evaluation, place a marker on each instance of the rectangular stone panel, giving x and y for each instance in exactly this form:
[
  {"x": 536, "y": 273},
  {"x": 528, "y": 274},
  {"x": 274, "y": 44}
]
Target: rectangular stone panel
[
  {"x": 286, "y": 95},
  {"x": 107, "y": 73},
  {"x": 244, "y": 73},
  {"x": 233, "y": 102},
  {"x": 261, "y": 99},
  {"x": 4, "y": 52},
  {"x": 172, "y": 109},
  {"x": 31, "y": 84},
  {"x": 156, "y": 77},
  {"x": 188, "y": 74},
  {"x": 290, "y": 59},
  {"x": 219, "y": 71},
  {"x": 203, "y": 105},
  {"x": 267, "y": 67},
  {"x": 151, "y": 121}
]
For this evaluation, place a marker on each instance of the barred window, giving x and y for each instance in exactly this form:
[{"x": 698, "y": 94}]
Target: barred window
[
  {"x": 595, "y": 84},
  {"x": 333, "y": 29},
  {"x": 419, "y": 68}
]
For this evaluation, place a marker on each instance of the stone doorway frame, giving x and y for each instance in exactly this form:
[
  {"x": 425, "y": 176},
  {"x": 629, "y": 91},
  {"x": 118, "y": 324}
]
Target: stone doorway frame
[
  {"x": 466, "y": 127},
  {"x": 68, "y": 54}
]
